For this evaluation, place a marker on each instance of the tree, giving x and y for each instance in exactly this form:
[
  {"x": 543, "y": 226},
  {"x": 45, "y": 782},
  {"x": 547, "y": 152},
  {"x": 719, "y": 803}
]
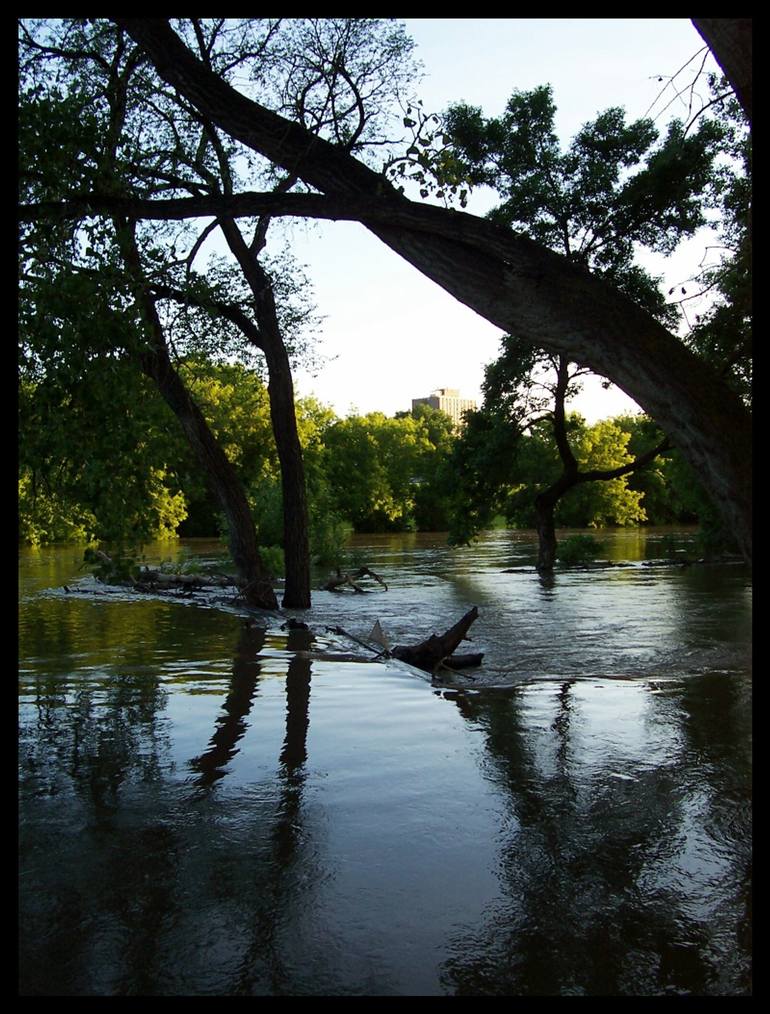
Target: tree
[
  {"x": 514, "y": 283},
  {"x": 435, "y": 480},
  {"x": 513, "y": 399},
  {"x": 614, "y": 189},
  {"x": 334, "y": 75},
  {"x": 603, "y": 446},
  {"x": 723, "y": 333},
  {"x": 370, "y": 462},
  {"x": 109, "y": 256}
]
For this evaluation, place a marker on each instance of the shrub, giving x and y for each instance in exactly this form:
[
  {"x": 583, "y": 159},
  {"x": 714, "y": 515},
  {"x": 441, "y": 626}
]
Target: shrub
[{"x": 578, "y": 549}]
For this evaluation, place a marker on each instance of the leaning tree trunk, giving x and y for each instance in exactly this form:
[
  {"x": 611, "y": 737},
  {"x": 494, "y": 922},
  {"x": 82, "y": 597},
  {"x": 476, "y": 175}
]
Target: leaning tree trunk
[
  {"x": 730, "y": 41},
  {"x": 220, "y": 475},
  {"x": 221, "y": 479},
  {"x": 296, "y": 539}
]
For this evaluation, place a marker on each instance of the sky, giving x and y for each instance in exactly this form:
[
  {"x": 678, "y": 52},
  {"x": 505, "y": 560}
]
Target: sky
[{"x": 390, "y": 334}]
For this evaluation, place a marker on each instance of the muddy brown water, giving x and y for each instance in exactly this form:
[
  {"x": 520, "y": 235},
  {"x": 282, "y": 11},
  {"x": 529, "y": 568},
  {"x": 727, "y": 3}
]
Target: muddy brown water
[{"x": 209, "y": 808}]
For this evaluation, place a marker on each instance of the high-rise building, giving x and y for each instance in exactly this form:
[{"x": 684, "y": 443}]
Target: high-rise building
[{"x": 448, "y": 400}]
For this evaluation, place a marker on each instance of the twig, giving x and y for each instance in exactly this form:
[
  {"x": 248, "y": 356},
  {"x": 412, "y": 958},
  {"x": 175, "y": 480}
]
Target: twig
[{"x": 344, "y": 633}]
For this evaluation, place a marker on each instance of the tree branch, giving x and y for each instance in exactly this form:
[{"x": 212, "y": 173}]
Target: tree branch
[
  {"x": 633, "y": 466},
  {"x": 227, "y": 310}
]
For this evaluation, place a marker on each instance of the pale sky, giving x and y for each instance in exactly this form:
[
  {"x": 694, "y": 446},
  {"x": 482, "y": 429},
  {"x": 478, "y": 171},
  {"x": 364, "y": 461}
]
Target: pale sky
[{"x": 392, "y": 334}]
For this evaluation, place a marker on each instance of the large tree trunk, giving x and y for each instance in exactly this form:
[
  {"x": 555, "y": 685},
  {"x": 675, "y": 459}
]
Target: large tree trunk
[
  {"x": 296, "y": 540},
  {"x": 730, "y": 40},
  {"x": 513, "y": 282}
]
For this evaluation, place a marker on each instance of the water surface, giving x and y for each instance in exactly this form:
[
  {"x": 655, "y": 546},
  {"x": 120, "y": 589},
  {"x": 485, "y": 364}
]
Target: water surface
[{"x": 210, "y": 808}]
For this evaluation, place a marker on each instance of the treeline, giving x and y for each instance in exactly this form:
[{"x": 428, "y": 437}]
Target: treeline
[{"x": 109, "y": 463}]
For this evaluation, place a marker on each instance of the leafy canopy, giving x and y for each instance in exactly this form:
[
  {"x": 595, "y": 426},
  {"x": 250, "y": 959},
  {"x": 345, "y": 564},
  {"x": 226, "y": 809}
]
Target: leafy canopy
[{"x": 617, "y": 185}]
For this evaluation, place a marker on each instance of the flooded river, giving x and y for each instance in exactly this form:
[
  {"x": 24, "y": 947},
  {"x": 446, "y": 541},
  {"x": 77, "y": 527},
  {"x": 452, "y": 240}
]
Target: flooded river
[{"x": 209, "y": 808}]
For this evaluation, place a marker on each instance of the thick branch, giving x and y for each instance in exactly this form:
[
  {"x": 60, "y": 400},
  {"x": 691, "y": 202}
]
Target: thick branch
[{"x": 633, "y": 466}]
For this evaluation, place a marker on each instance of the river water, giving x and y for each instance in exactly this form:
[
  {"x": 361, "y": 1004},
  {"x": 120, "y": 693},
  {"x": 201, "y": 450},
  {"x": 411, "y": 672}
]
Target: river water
[{"x": 210, "y": 808}]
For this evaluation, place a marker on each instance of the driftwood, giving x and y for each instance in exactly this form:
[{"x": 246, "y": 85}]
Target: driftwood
[
  {"x": 428, "y": 655},
  {"x": 346, "y": 580},
  {"x": 463, "y": 661},
  {"x": 151, "y": 580}
]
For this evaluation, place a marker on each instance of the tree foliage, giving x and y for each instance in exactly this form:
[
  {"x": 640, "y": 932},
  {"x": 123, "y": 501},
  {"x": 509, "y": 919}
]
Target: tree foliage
[
  {"x": 723, "y": 333},
  {"x": 82, "y": 479},
  {"x": 386, "y": 474},
  {"x": 617, "y": 186}
]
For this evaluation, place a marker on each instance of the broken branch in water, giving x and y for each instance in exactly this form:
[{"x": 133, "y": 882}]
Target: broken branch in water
[
  {"x": 344, "y": 633},
  {"x": 338, "y": 582},
  {"x": 430, "y": 653}
]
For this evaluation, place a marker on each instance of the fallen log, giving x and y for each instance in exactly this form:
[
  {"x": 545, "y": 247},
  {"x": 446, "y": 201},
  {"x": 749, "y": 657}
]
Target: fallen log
[
  {"x": 124, "y": 571},
  {"x": 429, "y": 654},
  {"x": 164, "y": 579}
]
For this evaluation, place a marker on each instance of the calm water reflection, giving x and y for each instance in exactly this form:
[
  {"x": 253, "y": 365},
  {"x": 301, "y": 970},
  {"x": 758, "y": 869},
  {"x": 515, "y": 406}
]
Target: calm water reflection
[{"x": 208, "y": 808}]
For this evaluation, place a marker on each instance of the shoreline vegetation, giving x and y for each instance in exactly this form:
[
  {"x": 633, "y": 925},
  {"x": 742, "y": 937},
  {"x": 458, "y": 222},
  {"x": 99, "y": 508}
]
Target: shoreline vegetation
[{"x": 365, "y": 474}]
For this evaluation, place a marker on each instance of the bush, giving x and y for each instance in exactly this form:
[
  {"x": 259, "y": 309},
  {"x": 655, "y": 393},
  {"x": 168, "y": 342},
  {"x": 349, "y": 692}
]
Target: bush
[
  {"x": 328, "y": 537},
  {"x": 578, "y": 549},
  {"x": 121, "y": 567},
  {"x": 272, "y": 558}
]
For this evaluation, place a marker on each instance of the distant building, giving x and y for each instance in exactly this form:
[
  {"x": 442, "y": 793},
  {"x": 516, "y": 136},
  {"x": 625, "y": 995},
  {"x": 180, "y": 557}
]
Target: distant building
[{"x": 448, "y": 400}]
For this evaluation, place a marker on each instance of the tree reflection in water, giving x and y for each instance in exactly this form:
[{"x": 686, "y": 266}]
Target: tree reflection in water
[
  {"x": 232, "y": 724},
  {"x": 590, "y": 904},
  {"x": 138, "y": 872},
  {"x": 272, "y": 876}
]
